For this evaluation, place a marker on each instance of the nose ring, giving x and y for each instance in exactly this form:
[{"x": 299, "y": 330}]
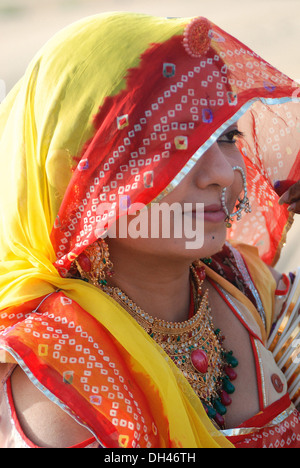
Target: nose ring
[{"x": 242, "y": 205}]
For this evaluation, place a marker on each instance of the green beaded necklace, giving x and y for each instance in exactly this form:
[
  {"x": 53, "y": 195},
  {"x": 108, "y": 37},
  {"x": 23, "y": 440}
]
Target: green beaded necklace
[{"x": 194, "y": 346}]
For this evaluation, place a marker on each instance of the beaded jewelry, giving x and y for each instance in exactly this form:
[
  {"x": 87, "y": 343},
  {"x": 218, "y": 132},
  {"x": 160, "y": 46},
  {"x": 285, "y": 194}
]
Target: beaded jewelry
[
  {"x": 194, "y": 346},
  {"x": 243, "y": 205},
  {"x": 94, "y": 264}
]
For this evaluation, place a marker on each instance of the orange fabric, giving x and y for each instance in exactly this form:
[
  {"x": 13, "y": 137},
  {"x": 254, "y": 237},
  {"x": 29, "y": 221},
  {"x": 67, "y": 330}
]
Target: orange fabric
[{"x": 79, "y": 365}]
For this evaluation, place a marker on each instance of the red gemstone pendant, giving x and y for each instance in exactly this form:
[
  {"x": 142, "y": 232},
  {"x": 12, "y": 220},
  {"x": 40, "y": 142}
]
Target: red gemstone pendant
[
  {"x": 199, "y": 360},
  {"x": 230, "y": 372},
  {"x": 225, "y": 398},
  {"x": 219, "y": 420},
  {"x": 84, "y": 262}
]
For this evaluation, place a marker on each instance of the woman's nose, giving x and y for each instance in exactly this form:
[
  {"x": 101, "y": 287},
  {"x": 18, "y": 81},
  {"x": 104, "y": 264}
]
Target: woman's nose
[{"x": 214, "y": 169}]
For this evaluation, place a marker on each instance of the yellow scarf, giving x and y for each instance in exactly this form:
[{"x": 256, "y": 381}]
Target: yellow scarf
[{"x": 46, "y": 118}]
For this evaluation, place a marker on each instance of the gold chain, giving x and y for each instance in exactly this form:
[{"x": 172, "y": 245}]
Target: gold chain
[{"x": 183, "y": 340}]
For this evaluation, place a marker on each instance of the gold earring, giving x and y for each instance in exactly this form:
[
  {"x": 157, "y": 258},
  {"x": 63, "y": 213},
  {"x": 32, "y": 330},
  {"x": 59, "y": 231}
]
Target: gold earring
[{"x": 94, "y": 263}]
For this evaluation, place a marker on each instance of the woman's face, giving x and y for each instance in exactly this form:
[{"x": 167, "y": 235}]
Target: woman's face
[{"x": 203, "y": 184}]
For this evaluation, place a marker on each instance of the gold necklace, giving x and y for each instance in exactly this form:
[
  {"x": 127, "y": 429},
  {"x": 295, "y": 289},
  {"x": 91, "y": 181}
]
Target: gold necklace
[{"x": 193, "y": 346}]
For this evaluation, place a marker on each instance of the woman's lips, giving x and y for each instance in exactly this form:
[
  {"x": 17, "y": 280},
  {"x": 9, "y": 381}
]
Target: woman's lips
[{"x": 214, "y": 213}]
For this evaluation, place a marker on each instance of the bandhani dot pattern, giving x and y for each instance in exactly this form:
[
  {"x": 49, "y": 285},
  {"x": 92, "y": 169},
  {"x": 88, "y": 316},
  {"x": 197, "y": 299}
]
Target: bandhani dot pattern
[
  {"x": 87, "y": 370},
  {"x": 284, "y": 434},
  {"x": 74, "y": 361},
  {"x": 271, "y": 152},
  {"x": 181, "y": 90},
  {"x": 175, "y": 105}
]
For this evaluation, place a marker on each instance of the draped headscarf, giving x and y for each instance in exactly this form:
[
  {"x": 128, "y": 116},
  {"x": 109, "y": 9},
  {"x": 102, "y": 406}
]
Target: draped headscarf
[{"x": 117, "y": 108}]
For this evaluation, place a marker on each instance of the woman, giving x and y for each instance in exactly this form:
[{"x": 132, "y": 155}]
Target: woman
[{"x": 154, "y": 348}]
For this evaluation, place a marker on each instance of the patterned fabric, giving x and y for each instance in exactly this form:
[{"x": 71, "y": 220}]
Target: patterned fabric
[
  {"x": 12, "y": 435},
  {"x": 277, "y": 427},
  {"x": 89, "y": 124},
  {"x": 284, "y": 435},
  {"x": 272, "y": 140},
  {"x": 229, "y": 264},
  {"x": 142, "y": 147},
  {"x": 73, "y": 360},
  {"x": 77, "y": 364}
]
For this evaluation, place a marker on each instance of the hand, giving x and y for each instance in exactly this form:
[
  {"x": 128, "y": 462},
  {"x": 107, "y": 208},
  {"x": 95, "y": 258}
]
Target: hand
[{"x": 289, "y": 192}]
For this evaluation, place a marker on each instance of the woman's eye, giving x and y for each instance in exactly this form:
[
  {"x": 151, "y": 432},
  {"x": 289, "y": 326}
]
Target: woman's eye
[{"x": 231, "y": 136}]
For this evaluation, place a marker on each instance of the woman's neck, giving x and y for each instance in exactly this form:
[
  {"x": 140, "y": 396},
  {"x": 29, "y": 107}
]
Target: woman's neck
[{"x": 161, "y": 289}]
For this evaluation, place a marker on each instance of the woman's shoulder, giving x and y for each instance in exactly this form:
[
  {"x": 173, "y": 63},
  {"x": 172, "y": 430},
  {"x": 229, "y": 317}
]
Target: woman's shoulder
[{"x": 43, "y": 422}]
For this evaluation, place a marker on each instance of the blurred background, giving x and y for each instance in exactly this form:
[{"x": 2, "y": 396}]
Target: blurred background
[{"x": 270, "y": 27}]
